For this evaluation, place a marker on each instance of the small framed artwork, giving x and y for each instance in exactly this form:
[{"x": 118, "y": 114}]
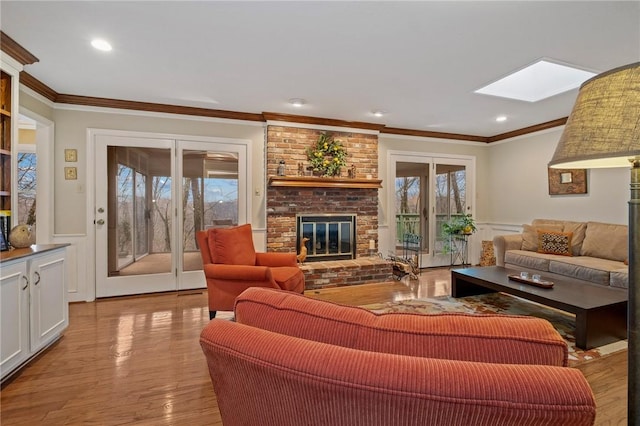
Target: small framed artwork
[
  {"x": 71, "y": 155},
  {"x": 567, "y": 181},
  {"x": 70, "y": 173}
]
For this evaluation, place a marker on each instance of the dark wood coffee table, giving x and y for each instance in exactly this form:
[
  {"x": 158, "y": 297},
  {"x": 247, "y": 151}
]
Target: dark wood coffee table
[{"x": 601, "y": 312}]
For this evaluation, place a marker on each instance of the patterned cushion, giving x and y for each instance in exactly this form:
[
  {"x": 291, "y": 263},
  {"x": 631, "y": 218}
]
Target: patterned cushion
[
  {"x": 530, "y": 234},
  {"x": 551, "y": 242}
]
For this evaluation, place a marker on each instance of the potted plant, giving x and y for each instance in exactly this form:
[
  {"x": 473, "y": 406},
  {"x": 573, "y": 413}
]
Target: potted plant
[
  {"x": 457, "y": 228},
  {"x": 459, "y": 225}
]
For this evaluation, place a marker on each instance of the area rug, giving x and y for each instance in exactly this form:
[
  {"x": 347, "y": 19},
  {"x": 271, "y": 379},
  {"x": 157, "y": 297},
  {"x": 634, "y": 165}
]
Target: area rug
[{"x": 493, "y": 303}]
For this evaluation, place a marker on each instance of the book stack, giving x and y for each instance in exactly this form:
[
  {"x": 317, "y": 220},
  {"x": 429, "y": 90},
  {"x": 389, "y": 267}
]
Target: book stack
[{"x": 5, "y": 223}]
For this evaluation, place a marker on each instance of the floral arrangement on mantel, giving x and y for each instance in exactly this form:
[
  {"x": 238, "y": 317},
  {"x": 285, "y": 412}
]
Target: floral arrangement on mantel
[{"x": 327, "y": 156}]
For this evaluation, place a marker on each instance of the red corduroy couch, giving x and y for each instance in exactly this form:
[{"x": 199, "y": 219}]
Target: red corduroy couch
[{"x": 291, "y": 360}]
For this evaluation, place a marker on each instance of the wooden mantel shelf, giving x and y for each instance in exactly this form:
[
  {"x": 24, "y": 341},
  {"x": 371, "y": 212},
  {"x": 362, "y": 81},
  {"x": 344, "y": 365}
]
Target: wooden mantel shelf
[{"x": 323, "y": 182}]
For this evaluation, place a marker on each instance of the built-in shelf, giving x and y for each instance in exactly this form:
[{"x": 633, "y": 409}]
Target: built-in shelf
[{"x": 323, "y": 182}]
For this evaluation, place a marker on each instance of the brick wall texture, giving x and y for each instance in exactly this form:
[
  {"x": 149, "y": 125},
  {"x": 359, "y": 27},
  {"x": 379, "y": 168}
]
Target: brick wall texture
[{"x": 290, "y": 144}]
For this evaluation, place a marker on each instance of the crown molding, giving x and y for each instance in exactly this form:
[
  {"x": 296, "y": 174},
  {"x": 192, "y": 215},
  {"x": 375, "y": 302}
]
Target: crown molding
[
  {"x": 153, "y": 107},
  {"x": 17, "y": 52},
  {"x": 430, "y": 134},
  {"x": 37, "y": 86},
  {"x": 44, "y": 90},
  {"x": 290, "y": 118},
  {"x": 526, "y": 130}
]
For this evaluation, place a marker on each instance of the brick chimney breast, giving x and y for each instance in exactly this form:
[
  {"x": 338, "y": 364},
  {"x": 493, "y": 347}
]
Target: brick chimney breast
[{"x": 284, "y": 203}]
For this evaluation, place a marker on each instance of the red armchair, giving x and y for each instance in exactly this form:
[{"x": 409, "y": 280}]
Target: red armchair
[{"x": 231, "y": 265}]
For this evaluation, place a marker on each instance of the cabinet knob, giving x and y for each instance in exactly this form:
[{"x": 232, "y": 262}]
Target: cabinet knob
[
  {"x": 37, "y": 274},
  {"x": 26, "y": 282}
]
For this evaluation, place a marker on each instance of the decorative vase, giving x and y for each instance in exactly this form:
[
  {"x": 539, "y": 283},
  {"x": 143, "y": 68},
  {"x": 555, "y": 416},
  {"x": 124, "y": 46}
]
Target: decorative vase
[{"x": 21, "y": 236}]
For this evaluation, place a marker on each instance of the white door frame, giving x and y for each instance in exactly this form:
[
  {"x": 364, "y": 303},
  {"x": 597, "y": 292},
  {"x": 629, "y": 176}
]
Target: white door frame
[
  {"x": 192, "y": 279},
  {"x": 393, "y": 157}
]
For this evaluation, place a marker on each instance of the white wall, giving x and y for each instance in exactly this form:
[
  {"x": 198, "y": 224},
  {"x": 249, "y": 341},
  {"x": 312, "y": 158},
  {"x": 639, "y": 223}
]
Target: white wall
[{"x": 518, "y": 185}]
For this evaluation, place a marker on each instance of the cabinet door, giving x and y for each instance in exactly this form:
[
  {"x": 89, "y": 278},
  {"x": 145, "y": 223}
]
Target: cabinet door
[
  {"x": 14, "y": 316},
  {"x": 49, "y": 307}
]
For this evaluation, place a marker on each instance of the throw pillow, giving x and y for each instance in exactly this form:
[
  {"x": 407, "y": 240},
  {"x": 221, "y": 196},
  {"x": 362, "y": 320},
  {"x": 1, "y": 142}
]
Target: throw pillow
[
  {"x": 551, "y": 242},
  {"x": 530, "y": 234},
  {"x": 232, "y": 246},
  {"x": 606, "y": 241},
  {"x": 579, "y": 230}
]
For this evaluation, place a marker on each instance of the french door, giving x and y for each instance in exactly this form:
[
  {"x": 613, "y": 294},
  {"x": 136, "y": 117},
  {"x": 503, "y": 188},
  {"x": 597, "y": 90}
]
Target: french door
[
  {"x": 428, "y": 191},
  {"x": 152, "y": 196}
]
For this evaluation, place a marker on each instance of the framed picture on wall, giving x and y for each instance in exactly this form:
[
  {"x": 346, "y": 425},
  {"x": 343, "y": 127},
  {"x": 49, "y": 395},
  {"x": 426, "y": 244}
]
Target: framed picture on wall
[{"x": 567, "y": 181}]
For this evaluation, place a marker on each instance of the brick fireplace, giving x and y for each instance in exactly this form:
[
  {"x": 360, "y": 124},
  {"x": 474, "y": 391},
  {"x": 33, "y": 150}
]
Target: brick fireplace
[
  {"x": 292, "y": 194},
  {"x": 284, "y": 202}
]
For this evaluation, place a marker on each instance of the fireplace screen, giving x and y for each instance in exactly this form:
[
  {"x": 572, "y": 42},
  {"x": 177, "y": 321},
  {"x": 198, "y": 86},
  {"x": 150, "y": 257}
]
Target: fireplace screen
[{"x": 331, "y": 237}]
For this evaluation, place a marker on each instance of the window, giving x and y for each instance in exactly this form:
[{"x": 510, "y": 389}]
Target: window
[{"x": 27, "y": 163}]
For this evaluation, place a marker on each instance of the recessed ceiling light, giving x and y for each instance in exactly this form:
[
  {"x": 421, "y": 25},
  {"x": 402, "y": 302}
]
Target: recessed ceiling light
[
  {"x": 101, "y": 44},
  {"x": 501, "y": 118},
  {"x": 378, "y": 113},
  {"x": 537, "y": 81},
  {"x": 297, "y": 102}
]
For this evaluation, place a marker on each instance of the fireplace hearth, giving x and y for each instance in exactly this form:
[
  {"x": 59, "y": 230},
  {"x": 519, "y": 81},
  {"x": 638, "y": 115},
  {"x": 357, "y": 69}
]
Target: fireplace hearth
[{"x": 331, "y": 236}]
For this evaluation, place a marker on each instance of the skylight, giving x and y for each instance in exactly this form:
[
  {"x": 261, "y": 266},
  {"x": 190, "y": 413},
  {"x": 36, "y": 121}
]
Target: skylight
[{"x": 538, "y": 81}]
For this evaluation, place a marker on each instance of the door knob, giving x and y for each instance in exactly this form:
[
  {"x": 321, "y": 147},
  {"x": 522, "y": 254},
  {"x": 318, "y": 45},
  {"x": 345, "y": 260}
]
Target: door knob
[{"x": 100, "y": 221}]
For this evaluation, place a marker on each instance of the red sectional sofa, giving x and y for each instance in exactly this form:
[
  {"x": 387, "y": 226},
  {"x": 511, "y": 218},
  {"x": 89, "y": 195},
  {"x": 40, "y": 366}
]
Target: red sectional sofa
[{"x": 291, "y": 360}]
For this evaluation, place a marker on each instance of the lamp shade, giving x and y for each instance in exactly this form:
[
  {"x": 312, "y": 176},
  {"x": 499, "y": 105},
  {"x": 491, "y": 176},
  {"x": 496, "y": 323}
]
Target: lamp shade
[{"x": 603, "y": 129}]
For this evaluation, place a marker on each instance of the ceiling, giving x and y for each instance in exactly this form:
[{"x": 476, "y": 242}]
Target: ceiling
[{"x": 420, "y": 62}]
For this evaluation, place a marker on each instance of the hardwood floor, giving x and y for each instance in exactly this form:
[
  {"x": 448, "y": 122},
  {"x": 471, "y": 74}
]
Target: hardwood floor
[{"x": 138, "y": 361}]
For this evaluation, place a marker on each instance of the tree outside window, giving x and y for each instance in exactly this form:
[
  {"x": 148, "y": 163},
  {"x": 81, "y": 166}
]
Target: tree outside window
[{"x": 27, "y": 163}]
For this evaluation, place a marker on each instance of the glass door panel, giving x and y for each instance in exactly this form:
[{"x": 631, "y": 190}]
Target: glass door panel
[
  {"x": 213, "y": 194},
  {"x": 411, "y": 203},
  {"x": 210, "y": 198},
  {"x": 427, "y": 191},
  {"x": 136, "y": 218},
  {"x": 134, "y": 223},
  {"x": 451, "y": 200}
]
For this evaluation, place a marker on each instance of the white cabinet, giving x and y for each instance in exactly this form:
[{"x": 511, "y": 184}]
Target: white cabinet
[
  {"x": 14, "y": 316},
  {"x": 33, "y": 304}
]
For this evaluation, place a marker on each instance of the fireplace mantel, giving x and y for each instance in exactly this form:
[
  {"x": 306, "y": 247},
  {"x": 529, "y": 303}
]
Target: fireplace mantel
[{"x": 323, "y": 182}]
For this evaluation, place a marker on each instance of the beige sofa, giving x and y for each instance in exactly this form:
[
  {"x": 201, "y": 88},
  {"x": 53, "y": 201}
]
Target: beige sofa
[{"x": 590, "y": 251}]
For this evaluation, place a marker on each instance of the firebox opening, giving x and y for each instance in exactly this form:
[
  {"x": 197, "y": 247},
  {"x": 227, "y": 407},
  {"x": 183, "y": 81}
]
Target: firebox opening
[{"x": 331, "y": 236}]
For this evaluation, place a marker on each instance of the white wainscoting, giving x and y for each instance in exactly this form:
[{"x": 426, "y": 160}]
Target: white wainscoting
[
  {"x": 259, "y": 236},
  {"x": 80, "y": 285},
  {"x": 486, "y": 232}
]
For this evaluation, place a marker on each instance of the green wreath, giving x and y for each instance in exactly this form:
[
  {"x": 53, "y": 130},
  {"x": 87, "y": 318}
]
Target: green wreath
[{"x": 327, "y": 156}]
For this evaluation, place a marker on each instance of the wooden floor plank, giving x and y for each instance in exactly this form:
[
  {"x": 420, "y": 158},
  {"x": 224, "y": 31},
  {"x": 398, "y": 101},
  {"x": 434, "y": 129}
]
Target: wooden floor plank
[{"x": 137, "y": 361}]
